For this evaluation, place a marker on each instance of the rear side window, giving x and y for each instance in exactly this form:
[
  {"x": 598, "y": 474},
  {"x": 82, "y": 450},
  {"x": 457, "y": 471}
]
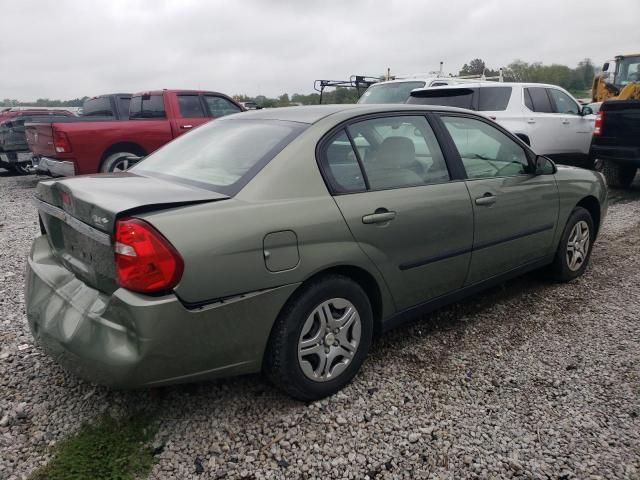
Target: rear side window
[
  {"x": 147, "y": 106},
  {"x": 219, "y": 107},
  {"x": 341, "y": 166},
  {"x": 446, "y": 97},
  {"x": 190, "y": 106},
  {"x": 538, "y": 100},
  {"x": 97, "y": 107},
  {"x": 493, "y": 99}
]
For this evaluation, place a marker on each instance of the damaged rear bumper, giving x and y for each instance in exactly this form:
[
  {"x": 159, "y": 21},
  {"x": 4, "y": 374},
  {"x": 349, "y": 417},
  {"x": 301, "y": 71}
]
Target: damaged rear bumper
[{"x": 130, "y": 340}]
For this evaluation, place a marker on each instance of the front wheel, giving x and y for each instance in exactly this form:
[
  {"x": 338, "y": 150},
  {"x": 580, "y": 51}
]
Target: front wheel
[
  {"x": 574, "y": 251},
  {"x": 320, "y": 339}
]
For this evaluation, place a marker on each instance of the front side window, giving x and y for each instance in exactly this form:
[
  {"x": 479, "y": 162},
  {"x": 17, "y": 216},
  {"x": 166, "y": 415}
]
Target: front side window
[
  {"x": 220, "y": 107},
  {"x": 537, "y": 100},
  {"x": 395, "y": 92},
  {"x": 399, "y": 152},
  {"x": 190, "y": 106},
  {"x": 563, "y": 103},
  {"x": 486, "y": 151},
  {"x": 628, "y": 71},
  {"x": 222, "y": 155},
  {"x": 147, "y": 106}
]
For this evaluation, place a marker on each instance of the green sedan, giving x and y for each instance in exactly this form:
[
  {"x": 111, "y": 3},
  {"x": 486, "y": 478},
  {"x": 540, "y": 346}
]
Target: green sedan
[{"x": 283, "y": 240}]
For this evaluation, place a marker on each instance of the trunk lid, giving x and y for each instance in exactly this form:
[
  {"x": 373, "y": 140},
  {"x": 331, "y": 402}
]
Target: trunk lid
[{"x": 79, "y": 216}]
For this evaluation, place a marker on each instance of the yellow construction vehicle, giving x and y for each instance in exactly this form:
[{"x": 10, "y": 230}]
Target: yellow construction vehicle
[{"x": 622, "y": 82}]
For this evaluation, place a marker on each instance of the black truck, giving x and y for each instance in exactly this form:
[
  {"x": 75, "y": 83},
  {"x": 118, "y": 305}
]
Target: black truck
[
  {"x": 615, "y": 147},
  {"x": 14, "y": 150}
]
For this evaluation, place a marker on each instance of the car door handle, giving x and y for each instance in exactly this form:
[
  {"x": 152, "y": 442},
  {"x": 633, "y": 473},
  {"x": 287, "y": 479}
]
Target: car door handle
[
  {"x": 381, "y": 215},
  {"x": 186, "y": 127},
  {"x": 531, "y": 121},
  {"x": 486, "y": 199},
  {"x": 566, "y": 122}
]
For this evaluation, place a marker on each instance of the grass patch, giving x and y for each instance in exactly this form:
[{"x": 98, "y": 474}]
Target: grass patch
[{"x": 110, "y": 449}]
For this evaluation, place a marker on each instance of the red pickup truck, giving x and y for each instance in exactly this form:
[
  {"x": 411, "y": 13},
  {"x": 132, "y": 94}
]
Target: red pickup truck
[{"x": 155, "y": 118}]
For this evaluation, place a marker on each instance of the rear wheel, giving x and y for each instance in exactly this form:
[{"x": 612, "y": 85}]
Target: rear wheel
[
  {"x": 618, "y": 175},
  {"x": 574, "y": 251},
  {"x": 320, "y": 339},
  {"x": 117, "y": 162}
]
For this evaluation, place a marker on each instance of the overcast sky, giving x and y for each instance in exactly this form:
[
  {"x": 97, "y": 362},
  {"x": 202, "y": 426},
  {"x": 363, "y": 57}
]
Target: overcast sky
[{"x": 71, "y": 48}]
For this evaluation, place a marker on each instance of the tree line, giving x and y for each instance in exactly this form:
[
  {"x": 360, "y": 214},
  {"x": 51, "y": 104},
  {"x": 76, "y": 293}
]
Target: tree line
[{"x": 577, "y": 80}]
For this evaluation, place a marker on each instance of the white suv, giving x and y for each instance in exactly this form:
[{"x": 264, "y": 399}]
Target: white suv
[
  {"x": 398, "y": 91},
  {"x": 546, "y": 117}
]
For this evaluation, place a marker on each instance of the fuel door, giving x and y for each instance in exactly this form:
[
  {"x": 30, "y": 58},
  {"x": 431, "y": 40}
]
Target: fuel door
[{"x": 281, "y": 251}]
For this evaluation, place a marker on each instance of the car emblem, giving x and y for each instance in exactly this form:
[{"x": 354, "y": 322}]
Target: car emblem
[{"x": 98, "y": 220}]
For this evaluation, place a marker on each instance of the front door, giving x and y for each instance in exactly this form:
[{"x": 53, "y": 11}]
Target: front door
[
  {"x": 515, "y": 211},
  {"x": 576, "y": 129},
  {"x": 394, "y": 190},
  {"x": 191, "y": 113}
]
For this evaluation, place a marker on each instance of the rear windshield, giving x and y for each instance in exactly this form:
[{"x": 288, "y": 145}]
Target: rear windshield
[
  {"x": 147, "y": 106},
  {"x": 396, "y": 92},
  {"x": 485, "y": 99},
  {"x": 446, "y": 97},
  {"x": 97, "y": 107},
  {"x": 222, "y": 155}
]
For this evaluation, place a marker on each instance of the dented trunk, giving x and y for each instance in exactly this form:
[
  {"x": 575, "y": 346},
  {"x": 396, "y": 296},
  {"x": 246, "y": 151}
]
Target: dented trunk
[{"x": 79, "y": 214}]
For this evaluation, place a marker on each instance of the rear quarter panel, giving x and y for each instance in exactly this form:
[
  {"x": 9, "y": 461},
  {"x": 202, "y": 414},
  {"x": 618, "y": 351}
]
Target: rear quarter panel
[
  {"x": 222, "y": 243},
  {"x": 574, "y": 185}
]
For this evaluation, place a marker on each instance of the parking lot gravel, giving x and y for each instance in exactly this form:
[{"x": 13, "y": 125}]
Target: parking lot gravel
[{"x": 529, "y": 380}]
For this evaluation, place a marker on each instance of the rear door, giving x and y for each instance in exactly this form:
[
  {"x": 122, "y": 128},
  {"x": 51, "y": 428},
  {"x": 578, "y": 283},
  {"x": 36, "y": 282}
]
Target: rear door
[
  {"x": 576, "y": 129},
  {"x": 544, "y": 126},
  {"x": 515, "y": 211},
  {"x": 409, "y": 215}
]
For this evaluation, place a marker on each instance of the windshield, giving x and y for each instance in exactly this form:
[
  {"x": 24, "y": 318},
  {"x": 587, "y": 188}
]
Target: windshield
[
  {"x": 396, "y": 92},
  {"x": 628, "y": 71},
  {"x": 221, "y": 155}
]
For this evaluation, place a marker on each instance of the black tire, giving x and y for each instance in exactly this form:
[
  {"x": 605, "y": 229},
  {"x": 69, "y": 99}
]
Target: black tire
[
  {"x": 561, "y": 268},
  {"x": 113, "y": 161},
  {"x": 618, "y": 175},
  {"x": 281, "y": 363}
]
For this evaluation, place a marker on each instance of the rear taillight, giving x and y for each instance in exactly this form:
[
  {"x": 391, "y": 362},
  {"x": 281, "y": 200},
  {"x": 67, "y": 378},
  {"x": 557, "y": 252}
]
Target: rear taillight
[
  {"x": 145, "y": 261},
  {"x": 597, "y": 128},
  {"x": 61, "y": 142}
]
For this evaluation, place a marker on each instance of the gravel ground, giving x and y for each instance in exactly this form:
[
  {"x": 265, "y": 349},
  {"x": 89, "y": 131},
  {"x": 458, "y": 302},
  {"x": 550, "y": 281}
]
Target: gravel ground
[{"x": 530, "y": 380}]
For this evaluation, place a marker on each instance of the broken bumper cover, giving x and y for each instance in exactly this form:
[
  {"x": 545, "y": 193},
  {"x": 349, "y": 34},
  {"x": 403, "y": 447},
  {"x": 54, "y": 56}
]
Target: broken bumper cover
[
  {"x": 55, "y": 168},
  {"x": 128, "y": 340}
]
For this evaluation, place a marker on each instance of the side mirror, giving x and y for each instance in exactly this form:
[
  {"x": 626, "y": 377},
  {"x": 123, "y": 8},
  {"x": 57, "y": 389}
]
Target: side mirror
[
  {"x": 605, "y": 67},
  {"x": 586, "y": 110},
  {"x": 544, "y": 166}
]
